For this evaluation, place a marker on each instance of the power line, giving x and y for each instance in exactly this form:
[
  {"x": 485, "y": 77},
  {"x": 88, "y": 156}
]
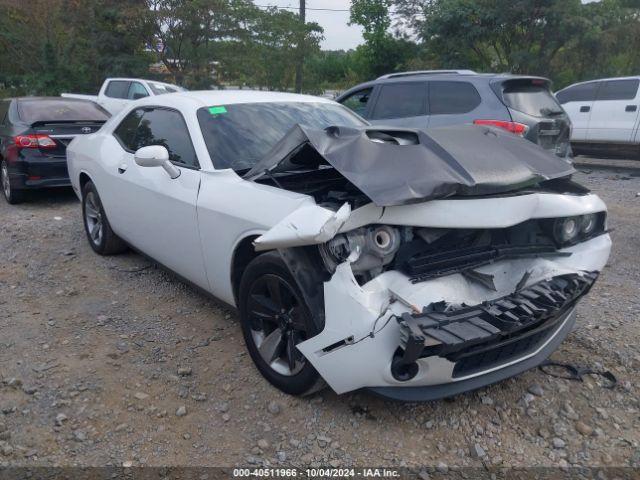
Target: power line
[{"x": 308, "y": 8}]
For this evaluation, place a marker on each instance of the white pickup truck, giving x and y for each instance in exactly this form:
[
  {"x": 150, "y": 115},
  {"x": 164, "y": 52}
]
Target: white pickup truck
[{"x": 116, "y": 93}]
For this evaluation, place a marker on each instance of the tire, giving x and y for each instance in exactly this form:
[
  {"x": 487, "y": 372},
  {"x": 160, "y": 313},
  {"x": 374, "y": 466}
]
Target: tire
[
  {"x": 96, "y": 225},
  {"x": 12, "y": 195},
  {"x": 261, "y": 308}
]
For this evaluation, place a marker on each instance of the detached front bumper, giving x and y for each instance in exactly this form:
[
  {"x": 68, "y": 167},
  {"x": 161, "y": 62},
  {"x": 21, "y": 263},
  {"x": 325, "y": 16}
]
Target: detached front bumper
[{"x": 450, "y": 334}]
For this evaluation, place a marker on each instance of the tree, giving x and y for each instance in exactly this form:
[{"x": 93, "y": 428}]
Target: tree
[
  {"x": 77, "y": 45},
  {"x": 382, "y": 52},
  {"x": 545, "y": 37}
]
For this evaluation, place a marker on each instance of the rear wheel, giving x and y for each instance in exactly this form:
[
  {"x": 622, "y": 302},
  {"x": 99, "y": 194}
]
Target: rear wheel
[
  {"x": 275, "y": 319},
  {"x": 96, "y": 224},
  {"x": 12, "y": 195}
]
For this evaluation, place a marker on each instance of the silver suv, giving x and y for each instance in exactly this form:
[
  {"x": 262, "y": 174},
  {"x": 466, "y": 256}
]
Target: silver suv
[{"x": 523, "y": 105}]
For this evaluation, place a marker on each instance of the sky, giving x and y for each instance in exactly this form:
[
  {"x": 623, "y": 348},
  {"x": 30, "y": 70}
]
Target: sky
[{"x": 338, "y": 35}]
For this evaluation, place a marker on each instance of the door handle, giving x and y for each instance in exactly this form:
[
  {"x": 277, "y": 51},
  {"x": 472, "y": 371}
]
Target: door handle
[
  {"x": 631, "y": 108},
  {"x": 122, "y": 168},
  {"x": 585, "y": 109}
]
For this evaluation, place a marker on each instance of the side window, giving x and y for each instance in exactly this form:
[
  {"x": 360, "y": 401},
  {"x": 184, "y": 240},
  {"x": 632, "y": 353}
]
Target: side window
[
  {"x": 618, "y": 90},
  {"x": 117, "y": 89},
  {"x": 136, "y": 91},
  {"x": 126, "y": 131},
  {"x": 400, "y": 100},
  {"x": 160, "y": 126},
  {"x": 358, "y": 101},
  {"x": 452, "y": 97},
  {"x": 585, "y": 92}
]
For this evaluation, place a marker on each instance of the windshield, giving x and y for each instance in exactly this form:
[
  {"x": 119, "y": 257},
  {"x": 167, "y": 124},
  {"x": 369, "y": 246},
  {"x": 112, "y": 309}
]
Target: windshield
[
  {"x": 60, "y": 110},
  {"x": 162, "y": 88},
  {"x": 536, "y": 100},
  {"x": 239, "y": 135}
]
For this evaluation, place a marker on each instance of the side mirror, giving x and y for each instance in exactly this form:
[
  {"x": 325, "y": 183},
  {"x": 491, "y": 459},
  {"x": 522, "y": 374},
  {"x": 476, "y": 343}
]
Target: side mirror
[
  {"x": 139, "y": 95},
  {"x": 156, "y": 156}
]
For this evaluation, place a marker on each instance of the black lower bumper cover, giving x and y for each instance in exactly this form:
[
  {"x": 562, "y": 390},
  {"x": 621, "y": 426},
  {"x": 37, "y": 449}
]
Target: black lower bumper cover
[
  {"x": 487, "y": 333},
  {"x": 436, "y": 392}
]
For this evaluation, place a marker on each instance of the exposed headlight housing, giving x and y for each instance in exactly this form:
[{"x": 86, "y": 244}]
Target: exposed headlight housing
[
  {"x": 368, "y": 249},
  {"x": 570, "y": 230},
  {"x": 566, "y": 230}
]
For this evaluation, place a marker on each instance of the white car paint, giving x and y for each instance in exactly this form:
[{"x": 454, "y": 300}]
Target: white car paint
[
  {"x": 601, "y": 120},
  {"x": 193, "y": 224},
  {"x": 114, "y": 104}
]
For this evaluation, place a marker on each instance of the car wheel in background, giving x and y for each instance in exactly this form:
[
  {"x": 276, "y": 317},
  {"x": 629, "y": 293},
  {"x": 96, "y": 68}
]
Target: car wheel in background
[
  {"x": 274, "y": 319},
  {"x": 12, "y": 195},
  {"x": 96, "y": 225}
]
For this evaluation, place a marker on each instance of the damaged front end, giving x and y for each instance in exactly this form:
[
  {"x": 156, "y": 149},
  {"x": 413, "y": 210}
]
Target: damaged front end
[{"x": 475, "y": 282}]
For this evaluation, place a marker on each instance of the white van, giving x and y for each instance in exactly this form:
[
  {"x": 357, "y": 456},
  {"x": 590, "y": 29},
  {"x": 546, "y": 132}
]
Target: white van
[{"x": 604, "y": 114}]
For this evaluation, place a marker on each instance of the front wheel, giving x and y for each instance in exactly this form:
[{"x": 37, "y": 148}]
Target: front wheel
[
  {"x": 96, "y": 224},
  {"x": 12, "y": 195},
  {"x": 274, "y": 320}
]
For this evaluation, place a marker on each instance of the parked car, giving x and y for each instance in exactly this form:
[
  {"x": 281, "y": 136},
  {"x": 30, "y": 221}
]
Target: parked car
[
  {"x": 604, "y": 114},
  {"x": 522, "y": 105},
  {"x": 34, "y": 134},
  {"x": 347, "y": 263},
  {"x": 116, "y": 93}
]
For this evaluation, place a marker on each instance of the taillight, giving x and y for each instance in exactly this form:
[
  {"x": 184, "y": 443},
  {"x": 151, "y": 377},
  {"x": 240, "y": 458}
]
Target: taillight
[
  {"x": 34, "y": 141},
  {"x": 519, "y": 129}
]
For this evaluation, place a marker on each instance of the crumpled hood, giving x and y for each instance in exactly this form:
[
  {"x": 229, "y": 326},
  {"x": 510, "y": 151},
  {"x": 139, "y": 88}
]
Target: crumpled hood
[{"x": 395, "y": 166}]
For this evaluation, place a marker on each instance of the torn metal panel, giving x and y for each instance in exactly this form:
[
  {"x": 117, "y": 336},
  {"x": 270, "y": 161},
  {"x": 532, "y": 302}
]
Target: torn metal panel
[
  {"x": 308, "y": 225},
  {"x": 399, "y": 166}
]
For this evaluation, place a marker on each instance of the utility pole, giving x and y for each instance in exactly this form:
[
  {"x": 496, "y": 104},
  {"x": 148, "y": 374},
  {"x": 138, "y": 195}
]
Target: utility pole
[{"x": 300, "y": 47}]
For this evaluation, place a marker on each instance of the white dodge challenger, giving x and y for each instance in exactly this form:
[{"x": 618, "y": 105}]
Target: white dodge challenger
[{"x": 416, "y": 264}]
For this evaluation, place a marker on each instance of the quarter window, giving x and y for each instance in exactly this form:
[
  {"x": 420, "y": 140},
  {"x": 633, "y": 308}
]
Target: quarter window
[
  {"x": 401, "y": 100},
  {"x": 452, "y": 98},
  {"x": 358, "y": 101},
  {"x": 585, "y": 92},
  {"x": 126, "y": 131},
  {"x": 618, "y": 90},
  {"x": 117, "y": 89}
]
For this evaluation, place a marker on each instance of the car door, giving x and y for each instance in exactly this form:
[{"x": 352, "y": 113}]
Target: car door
[
  {"x": 116, "y": 96},
  {"x": 577, "y": 101},
  {"x": 402, "y": 104},
  {"x": 615, "y": 112},
  {"x": 150, "y": 210}
]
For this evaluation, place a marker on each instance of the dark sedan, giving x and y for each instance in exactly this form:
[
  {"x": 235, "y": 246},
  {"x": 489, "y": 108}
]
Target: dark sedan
[{"x": 34, "y": 134}]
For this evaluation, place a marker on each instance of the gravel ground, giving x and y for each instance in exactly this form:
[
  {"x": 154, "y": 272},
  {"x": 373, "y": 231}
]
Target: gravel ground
[{"x": 111, "y": 361}]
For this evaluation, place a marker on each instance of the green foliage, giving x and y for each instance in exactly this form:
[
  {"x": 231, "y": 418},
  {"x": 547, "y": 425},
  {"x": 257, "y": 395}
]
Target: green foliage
[
  {"x": 382, "y": 52},
  {"x": 562, "y": 39},
  {"x": 75, "y": 44},
  {"x": 70, "y": 48}
]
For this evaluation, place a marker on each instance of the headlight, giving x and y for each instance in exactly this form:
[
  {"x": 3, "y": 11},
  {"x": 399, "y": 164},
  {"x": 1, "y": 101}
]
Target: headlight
[
  {"x": 589, "y": 223},
  {"x": 566, "y": 230},
  {"x": 571, "y": 230}
]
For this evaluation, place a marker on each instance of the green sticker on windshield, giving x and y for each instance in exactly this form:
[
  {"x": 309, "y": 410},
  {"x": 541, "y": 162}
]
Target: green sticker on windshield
[{"x": 217, "y": 110}]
